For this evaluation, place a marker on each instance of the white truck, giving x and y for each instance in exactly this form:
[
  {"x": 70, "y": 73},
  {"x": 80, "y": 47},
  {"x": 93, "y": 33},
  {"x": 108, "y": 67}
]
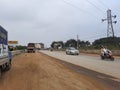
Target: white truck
[{"x": 5, "y": 54}]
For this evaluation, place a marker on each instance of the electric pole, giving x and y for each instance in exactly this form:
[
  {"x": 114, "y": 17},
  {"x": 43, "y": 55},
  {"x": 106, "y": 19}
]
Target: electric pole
[
  {"x": 110, "y": 30},
  {"x": 77, "y": 42}
]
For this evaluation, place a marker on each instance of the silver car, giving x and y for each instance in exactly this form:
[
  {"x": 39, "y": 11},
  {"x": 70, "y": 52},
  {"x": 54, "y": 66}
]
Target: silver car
[{"x": 72, "y": 51}]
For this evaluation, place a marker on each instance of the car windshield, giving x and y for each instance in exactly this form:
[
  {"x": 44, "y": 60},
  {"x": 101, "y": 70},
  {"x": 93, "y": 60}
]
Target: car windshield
[{"x": 72, "y": 48}]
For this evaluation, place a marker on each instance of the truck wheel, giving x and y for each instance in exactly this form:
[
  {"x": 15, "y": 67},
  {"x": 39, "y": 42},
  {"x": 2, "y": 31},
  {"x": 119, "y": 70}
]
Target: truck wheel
[
  {"x": 8, "y": 66},
  {"x": 0, "y": 72}
]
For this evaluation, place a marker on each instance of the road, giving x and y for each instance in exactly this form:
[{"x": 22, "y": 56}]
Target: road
[
  {"x": 37, "y": 71},
  {"x": 93, "y": 62}
]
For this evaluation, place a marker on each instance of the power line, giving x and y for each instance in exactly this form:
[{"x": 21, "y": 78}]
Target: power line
[
  {"x": 95, "y": 6},
  {"x": 103, "y": 4},
  {"x": 74, "y": 6},
  {"x": 81, "y": 10},
  {"x": 93, "y": 36}
]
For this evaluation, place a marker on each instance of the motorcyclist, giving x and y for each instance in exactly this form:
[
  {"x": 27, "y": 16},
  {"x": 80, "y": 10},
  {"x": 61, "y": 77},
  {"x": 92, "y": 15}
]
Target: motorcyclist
[{"x": 105, "y": 51}]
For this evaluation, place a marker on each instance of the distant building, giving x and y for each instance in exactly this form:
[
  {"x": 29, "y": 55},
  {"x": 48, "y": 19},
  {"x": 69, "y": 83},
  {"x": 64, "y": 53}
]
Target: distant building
[{"x": 39, "y": 45}]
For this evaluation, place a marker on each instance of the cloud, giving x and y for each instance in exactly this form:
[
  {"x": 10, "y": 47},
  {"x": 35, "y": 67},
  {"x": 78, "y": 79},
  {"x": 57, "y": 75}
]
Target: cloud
[{"x": 51, "y": 20}]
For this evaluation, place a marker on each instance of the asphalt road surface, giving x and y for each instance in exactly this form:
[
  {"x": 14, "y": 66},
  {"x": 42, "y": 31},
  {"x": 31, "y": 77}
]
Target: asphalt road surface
[
  {"x": 37, "y": 71},
  {"x": 92, "y": 62},
  {"x": 105, "y": 71}
]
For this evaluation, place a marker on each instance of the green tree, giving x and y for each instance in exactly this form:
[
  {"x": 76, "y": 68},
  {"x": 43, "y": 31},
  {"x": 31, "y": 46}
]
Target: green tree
[
  {"x": 110, "y": 42},
  {"x": 57, "y": 44},
  {"x": 20, "y": 47},
  {"x": 71, "y": 43},
  {"x": 84, "y": 44}
]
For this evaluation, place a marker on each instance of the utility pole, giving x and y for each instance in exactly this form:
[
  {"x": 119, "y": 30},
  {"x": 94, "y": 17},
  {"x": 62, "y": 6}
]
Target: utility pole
[
  {"x": 110, "y": 30},
  {"x": 77, "y": 42}
]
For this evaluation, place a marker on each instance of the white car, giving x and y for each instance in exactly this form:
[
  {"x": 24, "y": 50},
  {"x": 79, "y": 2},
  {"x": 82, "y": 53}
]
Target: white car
[{"x": 72, "y": 51}]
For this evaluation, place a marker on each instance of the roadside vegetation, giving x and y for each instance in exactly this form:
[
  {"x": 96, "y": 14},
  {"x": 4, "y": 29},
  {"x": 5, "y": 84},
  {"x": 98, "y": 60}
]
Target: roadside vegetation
[
  {"x": 110, "y": 42},
  {"x": 19, "y": 47}
]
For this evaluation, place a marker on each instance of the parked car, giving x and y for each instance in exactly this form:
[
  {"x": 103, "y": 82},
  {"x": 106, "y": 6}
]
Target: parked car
[{"x": 72, "y": 51}]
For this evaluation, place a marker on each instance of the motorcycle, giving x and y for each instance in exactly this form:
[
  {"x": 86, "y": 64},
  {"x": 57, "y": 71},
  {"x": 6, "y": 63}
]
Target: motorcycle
[{"x": 107, "y": 56}]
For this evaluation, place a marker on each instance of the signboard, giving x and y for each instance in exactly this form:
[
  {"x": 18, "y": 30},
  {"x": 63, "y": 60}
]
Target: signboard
[
  {"x": 3, "y": 36},
  {"x": 12, "y": 42}
]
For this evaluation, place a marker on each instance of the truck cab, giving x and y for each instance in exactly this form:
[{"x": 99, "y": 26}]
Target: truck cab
[
  {"x": 5, "y": 54},
  {"x": 31, "y": 48}
]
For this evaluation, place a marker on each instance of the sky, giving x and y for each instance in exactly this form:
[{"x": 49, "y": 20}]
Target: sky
[{"x": 45, "y": 21}]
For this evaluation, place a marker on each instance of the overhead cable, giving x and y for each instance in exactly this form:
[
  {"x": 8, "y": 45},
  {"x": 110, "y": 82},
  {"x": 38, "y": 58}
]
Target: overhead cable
[
  {"x": 81, "y": 10},
  {"x": 95, "y": 6},
  {"x": 103, "y": 4},
  {"x": 74, "y": 6}
]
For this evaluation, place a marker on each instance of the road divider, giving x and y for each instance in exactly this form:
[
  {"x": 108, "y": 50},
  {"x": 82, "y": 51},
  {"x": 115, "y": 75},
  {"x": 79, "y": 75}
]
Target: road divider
[{"x": 17, "y": 52}]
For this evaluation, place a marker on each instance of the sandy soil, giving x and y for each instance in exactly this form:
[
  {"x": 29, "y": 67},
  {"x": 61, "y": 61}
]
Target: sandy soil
[{"x": 36, "y": 71}]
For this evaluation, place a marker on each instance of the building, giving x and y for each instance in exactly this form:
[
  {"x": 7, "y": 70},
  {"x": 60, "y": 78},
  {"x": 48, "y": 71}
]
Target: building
[{"x": 39, "y": 46}]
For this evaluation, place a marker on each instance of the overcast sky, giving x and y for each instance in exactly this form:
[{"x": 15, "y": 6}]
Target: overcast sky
[{"x": 57, "y": 20}]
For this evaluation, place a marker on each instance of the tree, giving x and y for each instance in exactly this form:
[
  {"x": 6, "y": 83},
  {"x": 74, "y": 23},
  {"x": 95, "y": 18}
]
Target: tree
[
  {"x": 57, "y": 44},
  {"x": 84, "y": 44},
  {"x": 20, "y": 47},
  {"x": 88, "y": 43},
  {"x": 71, "y": 43},
  {"x": 110, "y": 42},
  {"x": 52, "y": 45}
]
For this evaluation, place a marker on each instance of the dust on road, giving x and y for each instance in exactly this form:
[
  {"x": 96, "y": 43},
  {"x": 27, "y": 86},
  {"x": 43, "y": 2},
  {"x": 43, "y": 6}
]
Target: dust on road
[{"x": 36, "y": 71}]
